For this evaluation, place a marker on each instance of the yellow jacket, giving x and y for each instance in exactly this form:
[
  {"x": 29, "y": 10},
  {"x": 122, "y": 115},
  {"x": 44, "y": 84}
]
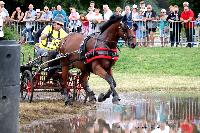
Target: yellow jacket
[{"x": 52, "y": 43}]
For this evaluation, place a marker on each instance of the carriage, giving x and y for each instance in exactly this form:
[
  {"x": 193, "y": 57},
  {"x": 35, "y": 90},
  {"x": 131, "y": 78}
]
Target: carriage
[
  {"x": 33, "y": 75},
  {"x": 96, "y": 53}
]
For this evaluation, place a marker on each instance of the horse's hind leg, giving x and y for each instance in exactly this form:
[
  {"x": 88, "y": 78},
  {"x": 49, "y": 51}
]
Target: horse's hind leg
[
  {"x": 65, "y": 76},
  {"x": 88, "y": 91},
  {"x": 103, "y": 74}
]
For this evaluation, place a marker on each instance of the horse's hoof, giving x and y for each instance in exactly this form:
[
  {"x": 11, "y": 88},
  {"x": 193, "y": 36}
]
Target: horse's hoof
[
  {"x": 68, "y": 103},
  {"x": 92, "y": 97},
  {"x": 101, "y": 97},
  {"x": 68, "y": 99},
  {"x": 116, "y": 100},
  {"x": 62, "y": 91}
]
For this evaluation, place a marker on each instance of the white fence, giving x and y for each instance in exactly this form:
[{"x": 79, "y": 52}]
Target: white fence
[{"x": 150, "y": 33}]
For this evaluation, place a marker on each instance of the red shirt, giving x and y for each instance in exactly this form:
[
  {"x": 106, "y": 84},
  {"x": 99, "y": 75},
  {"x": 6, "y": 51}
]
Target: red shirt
[
  {"x": 85, "y": 22},
  {"x": 186, "y": 15}
]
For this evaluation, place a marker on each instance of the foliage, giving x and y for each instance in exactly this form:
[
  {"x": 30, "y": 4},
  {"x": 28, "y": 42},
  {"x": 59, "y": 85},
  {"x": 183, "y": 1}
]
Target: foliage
[
  {"x": 194, "y": 5},
  {"x": 10, "y": 34}
]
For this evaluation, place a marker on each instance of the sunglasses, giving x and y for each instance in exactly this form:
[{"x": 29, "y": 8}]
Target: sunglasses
[
  {"x": 163, "y": 12},
  {"x": 59, "y": 24},
  {"x": 46, "y": 9},
  {"x": 148, "y": 8}
]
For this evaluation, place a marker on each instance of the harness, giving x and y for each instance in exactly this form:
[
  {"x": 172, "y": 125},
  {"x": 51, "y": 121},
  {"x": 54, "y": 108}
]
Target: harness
[
  {"x": 101, "y": 53},
  {"x": 97, "y": 52}
]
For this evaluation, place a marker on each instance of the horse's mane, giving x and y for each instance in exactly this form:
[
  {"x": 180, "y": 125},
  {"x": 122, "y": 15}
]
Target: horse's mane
[{"x": 112, "y": 20}]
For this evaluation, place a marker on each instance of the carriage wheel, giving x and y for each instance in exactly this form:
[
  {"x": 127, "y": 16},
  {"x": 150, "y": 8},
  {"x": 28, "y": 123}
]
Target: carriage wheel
[{"x": 27, "y": 86}]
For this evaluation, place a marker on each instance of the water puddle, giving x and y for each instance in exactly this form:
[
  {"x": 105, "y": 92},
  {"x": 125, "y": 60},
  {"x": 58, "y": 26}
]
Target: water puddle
[{"x": 137, "y": 113}]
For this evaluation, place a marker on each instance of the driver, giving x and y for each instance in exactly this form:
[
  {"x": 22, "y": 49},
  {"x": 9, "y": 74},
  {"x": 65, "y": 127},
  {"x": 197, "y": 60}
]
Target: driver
[{"x": 51, "y": 37}]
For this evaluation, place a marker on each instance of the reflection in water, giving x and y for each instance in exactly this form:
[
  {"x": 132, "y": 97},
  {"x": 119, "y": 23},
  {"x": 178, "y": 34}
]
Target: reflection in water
[{"x": 145, "y": 114}]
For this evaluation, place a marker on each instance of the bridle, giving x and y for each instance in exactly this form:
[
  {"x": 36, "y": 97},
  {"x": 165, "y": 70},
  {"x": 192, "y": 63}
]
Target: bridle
[{"x": 124, "y": 27}]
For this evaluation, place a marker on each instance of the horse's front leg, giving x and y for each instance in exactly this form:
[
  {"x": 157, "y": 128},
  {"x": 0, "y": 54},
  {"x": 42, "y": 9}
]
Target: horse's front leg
[
  {"x": 109, "y": 92},
  {"x": 84, "y": 81},
  {"x": 98, "y": 70}
]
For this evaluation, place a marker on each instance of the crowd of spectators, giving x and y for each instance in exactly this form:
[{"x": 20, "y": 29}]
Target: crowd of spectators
[{"x": 146, "y": 19}]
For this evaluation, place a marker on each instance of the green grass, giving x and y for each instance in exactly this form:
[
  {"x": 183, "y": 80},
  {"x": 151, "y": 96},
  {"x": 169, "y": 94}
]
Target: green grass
[
  {"x": 27, "y": 50},
  {"x": 159, "y": 61}
]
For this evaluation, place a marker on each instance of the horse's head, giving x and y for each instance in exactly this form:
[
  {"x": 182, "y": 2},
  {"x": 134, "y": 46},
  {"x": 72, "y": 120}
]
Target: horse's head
[{"x": 126, "y": 32}]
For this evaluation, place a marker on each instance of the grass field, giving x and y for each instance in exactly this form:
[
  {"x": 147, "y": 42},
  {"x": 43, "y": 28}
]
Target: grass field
[{"x": 159, "y": 61}]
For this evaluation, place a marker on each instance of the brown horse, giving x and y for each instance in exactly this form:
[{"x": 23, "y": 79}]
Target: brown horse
[{"x": 97, "y": 54}]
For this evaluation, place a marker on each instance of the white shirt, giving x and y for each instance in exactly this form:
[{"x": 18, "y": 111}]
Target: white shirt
[
  {"x": 2, "y": 17},
  {"x": 134, "y": 15},
  {"x": 107, "y": 15},
  {"x": 98, "y": 16},
  {"x": 90, "y": 16}
]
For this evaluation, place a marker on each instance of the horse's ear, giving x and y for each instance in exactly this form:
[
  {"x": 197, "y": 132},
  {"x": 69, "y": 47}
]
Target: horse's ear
[{"x": 122, "y": 24}]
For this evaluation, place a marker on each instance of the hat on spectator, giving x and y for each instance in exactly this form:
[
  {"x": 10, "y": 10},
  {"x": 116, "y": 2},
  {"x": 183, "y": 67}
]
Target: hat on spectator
[
  {"x": 134, "y": 6},
  {"x": 58, "y": 20},
  {"x": 37, "y": 10},
  {"x": 185, "y": 3},
  {"x": 2, "y": 3},
  {"x": 163, "y": 10}
]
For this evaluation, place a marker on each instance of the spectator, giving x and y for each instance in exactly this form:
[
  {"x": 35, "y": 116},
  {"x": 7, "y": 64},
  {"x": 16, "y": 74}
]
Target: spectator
[
  {"x": 128, "y": 15},
  {"x": 2, "y": 19},
  {"x": 38, "y": 15},
  {"x": 85, "y": 24},
  {"x": 171, "y": 9},
  {"x": 17, "y": 15},
  {"x": 98, "y": 18},
  {"x": 143, "y": 7},
  {"x": 74, "y": 23},
  {"x": 2, "y": 14},
  {"x": 128, "y": 18},
  {"x": 118, "y": 11},
  {"x": 107, "y": 12},
  {"x": 127, "y": 11},
  {"x": 141, "y": 32},
  {"x": 47, "y": 15},
  {"x": 197, "y": 22},
  {"x": 92, "y": 6},
  {"x": 163, "y": 27},
  {"x": 29, "y": 18},
  {"x": 61, "y": 12},
  {"x": 149, "y": 18},
  {"x": 187, "y": 16},
  {"x": 134, "y": 12},
  {"x": 185, "y": 4},
  {"x": 3, "y": 8},
  {"x": 175, "y": 25},
  {"x": 53, "y": 9},
  {"x": 90, "y": 17}
]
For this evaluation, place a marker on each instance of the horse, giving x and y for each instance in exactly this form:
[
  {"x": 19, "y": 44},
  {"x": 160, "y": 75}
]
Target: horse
[{"x": 96, "y": 53}]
